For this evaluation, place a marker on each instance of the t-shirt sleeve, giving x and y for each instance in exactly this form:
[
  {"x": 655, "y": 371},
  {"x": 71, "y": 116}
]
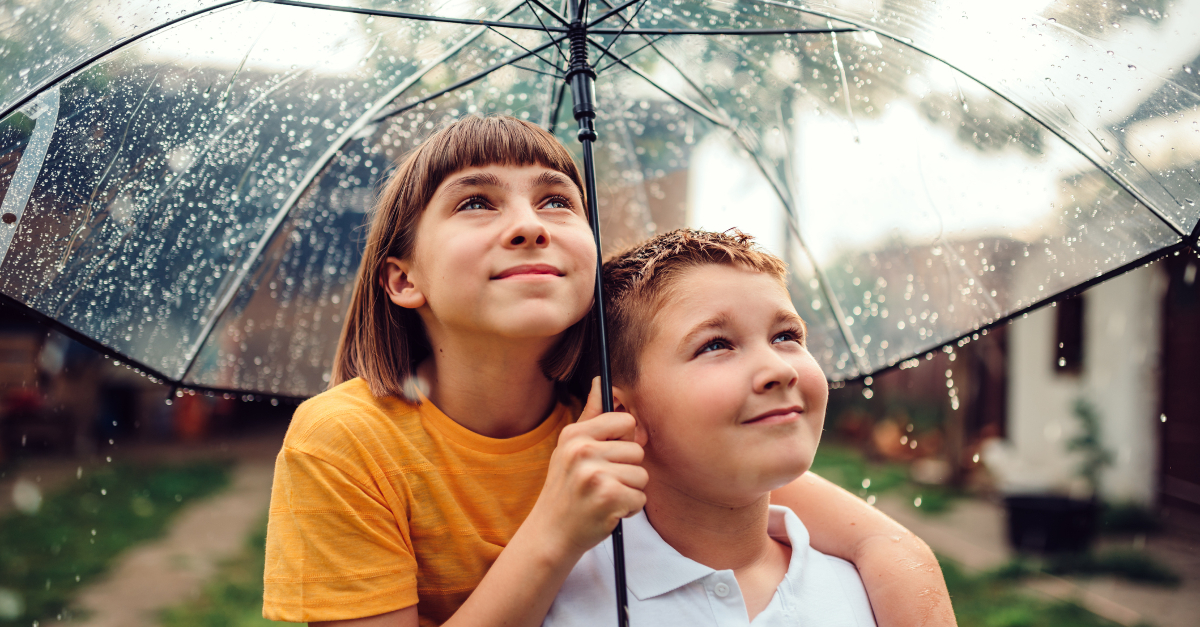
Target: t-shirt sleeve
[{"x": 338, "y": 545}]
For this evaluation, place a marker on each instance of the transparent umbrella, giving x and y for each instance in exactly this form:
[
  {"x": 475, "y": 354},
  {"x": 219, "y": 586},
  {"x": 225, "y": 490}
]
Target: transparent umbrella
[{"x": 184, "y": 183}]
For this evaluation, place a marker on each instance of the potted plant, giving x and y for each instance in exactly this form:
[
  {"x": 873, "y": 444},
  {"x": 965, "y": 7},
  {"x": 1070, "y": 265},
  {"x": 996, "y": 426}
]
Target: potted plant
[{"x": 1056, "y": 523}]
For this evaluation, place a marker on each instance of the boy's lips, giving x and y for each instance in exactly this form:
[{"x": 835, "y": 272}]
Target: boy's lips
[
  {"x": 534, "y": 269},
  {"x": 777, "y": 416}
]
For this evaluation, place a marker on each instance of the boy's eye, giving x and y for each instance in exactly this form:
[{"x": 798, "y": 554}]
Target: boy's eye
[
  {"x": 788, "y": 336},
  {"x": 713, "y": 345}
]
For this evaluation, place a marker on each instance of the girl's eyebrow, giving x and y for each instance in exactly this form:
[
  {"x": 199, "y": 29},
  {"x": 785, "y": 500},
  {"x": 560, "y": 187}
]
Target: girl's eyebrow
[
  {"x": 550, "y": 178},
  {"x": 482, "y": 179}
]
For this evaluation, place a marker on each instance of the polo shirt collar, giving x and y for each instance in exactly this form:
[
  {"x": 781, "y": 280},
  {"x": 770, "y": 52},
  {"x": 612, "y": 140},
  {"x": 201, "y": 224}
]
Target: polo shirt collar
[{"x": 653, "y": 567}]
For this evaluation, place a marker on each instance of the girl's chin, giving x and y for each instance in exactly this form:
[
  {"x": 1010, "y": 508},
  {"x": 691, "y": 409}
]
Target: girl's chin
[{"x": 534, "y": 327}]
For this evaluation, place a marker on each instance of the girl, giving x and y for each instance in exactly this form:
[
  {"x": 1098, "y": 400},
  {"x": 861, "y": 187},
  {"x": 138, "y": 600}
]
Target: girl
[{"x": 443, "y": 479}]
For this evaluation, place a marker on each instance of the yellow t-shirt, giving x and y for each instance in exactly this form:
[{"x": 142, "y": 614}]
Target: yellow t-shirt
[{"x": 378, "y": 505}]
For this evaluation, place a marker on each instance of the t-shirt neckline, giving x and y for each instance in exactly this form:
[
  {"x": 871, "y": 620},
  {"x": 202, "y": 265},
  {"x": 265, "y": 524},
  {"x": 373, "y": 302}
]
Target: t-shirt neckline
[{"x": 484, "y": 444}]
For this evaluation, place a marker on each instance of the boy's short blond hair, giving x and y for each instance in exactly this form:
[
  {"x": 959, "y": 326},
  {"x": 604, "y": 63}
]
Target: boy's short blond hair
[{"x": 638, "y": 280}]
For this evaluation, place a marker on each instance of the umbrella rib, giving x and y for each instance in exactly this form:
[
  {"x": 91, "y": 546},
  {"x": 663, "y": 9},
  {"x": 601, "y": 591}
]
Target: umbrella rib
[
  {"x": 649, "y": 44},
  {"x": 1075, "y": 290},
  {"x": 555, "y": 14},
  {"x": 562, "y": 90},
  {"x": 411, "y": 16},
  {"x": 548, "y": 31},
  {"x": 518, "y": 44},
  {"x": 464, "y": 82},
  {"x": 726, "y": 31},
  {"x": 695, "y": 87},
  {"x": 529, "y": 69},
  {"x": 120, "y": 44},
  {"x": 627, "y": 22},
  {"x": 904, "y": 41},
  {"x": 363, "y": 121},
  {"x": 838, "y": 314}
]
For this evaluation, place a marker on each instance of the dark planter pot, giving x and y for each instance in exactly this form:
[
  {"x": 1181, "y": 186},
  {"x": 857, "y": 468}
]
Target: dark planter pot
[{"x": 1050, "y": 524}]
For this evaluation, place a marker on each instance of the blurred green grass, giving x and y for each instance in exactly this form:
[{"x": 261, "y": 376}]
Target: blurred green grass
[
  {"x": 45, "y": 557},
  {"x": 997, "y": 600},
  {"x": 849, "y": 468}
]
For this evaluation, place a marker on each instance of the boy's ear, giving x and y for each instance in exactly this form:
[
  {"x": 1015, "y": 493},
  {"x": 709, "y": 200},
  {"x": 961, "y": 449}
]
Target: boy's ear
[
  {"x": 622, "y": 401},
  {"x": 397, "y": 282}
]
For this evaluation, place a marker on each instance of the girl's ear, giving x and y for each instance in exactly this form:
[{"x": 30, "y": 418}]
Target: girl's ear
[
  {"x": 623, "y": 401},
  {"x": 397, "y": 282}
]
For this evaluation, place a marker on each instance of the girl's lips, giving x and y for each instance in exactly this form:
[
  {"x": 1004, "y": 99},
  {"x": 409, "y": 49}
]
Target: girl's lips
[
  {"x": 777, "y": 416},
  {"x": 529, "y": 270}
]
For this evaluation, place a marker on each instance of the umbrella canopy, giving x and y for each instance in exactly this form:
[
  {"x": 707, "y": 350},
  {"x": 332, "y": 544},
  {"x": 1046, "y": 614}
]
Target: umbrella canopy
[{"x": 184, "y": 183}]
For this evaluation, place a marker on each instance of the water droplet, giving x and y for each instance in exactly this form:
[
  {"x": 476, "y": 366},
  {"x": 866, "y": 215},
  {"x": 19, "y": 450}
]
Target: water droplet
[
  {"x": 1163, "y": 417},
  {"x": 871, "y": 500},
  {"x": 1132, "y": 67},
  {"x": 866, "y": 483},
  {"x": 975, "y": 458},
  {"x": 917, "y": 502},
  {"x": 23, "y": 72},
  {"x": 1111, "y": 53}
]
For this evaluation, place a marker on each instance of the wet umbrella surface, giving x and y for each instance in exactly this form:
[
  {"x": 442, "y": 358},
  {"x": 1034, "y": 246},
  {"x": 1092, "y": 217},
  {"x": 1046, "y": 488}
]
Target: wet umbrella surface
[{"x": 184, "y": 182}]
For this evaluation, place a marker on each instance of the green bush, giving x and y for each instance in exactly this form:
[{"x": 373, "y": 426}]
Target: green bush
[{"x": 45, "y": 557}]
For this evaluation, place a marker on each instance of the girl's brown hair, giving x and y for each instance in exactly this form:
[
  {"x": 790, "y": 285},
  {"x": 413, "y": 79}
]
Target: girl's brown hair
[{"x": 382, "y": 342}]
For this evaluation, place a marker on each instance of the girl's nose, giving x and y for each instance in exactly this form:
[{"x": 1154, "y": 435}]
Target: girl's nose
[
  {"x": 774, "y": 372},
  {"x": 527, "y": 231}
]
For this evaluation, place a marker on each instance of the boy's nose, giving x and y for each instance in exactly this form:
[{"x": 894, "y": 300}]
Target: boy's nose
[{"x": 774, "y": 372}]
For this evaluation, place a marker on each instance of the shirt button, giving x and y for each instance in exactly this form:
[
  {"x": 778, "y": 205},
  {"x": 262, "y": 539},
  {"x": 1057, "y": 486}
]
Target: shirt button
[{"x": 721, "y": 590}]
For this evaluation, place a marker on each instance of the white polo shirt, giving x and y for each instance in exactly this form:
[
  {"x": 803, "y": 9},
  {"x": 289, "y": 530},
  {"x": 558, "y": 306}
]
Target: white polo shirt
[{"x": 666, "y": 588}]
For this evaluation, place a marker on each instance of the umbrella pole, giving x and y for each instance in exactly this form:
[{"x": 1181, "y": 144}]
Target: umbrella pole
[{"x": 582, "y": 79}]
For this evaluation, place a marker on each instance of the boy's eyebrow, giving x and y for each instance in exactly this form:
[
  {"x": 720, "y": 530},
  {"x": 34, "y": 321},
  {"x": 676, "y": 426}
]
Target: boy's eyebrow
[
  {"x": 716, "y": 322},
  {"x": 481, "y": 179},
  {"x": 790, "y": 316}
]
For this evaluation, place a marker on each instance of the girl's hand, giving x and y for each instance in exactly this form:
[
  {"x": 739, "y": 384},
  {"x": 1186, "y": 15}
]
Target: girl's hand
[{"x": 594, "y": 480}]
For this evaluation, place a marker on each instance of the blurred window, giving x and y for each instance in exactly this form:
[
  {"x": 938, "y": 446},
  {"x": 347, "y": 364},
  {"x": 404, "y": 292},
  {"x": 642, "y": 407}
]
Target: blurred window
[{"x": 1068, "y": 336}]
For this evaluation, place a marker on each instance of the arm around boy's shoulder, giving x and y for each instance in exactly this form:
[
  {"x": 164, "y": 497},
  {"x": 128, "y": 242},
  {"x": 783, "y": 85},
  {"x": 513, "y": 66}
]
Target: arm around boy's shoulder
[{"x": 337, "y": 536}]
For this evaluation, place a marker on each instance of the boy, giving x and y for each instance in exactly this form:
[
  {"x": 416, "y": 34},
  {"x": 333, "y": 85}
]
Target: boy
[{"x": 709, "y": 356}]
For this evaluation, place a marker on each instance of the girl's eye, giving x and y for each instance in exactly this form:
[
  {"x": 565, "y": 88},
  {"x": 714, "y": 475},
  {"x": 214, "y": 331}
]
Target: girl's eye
[
  {"x": 473, "y": 204},
  {"x": 713, "y": 345},
  {"x": 558, "y": 202}
]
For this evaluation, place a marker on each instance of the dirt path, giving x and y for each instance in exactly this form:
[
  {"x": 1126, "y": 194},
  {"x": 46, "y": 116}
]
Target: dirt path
[{"x": 159, "y": 574}]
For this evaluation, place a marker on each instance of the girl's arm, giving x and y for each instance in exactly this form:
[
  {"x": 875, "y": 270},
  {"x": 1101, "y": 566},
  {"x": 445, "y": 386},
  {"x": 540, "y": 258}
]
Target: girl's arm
[
  {"x": 902, "y": 577},
  {"x": 593, "y": 481}
]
